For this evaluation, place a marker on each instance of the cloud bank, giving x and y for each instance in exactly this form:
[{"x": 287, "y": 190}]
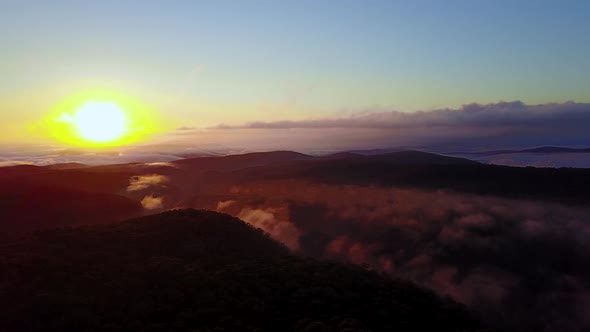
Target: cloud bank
[
  {"x": 472, "y": 126},
  {"x": 522, "y": 264},
  {"x": 48, "y": 155},
  {"x": 503, "y": 114}
]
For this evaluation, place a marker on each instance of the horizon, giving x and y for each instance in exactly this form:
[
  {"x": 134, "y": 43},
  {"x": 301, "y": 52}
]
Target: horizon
[{"x": 305, "y": 76}]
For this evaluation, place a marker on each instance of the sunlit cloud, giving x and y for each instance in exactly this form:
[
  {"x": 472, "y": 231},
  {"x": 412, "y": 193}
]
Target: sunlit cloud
[
  {"x": 273, "y": 221},
  {"x": 160, "y": 164},
  {"x": 150, "y": 202},
  {"x": 222, "y": 205},
  {"x": 142, "y": 182},
  {"x": 5, "y": 163}
]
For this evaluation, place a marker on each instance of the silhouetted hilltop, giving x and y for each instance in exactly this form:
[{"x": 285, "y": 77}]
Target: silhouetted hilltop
[
  {"x": 340, "y": 155},
  {"x": 407, "y": 156},
  {"x": 190, "y": 270},
  {"x": 66, "y": 166},
  {"x": 235, "y": 162},
  {"x": 376, "y": 151},
  {"x": 19, "y": 170},
  {"x": 412, "y": 157}
]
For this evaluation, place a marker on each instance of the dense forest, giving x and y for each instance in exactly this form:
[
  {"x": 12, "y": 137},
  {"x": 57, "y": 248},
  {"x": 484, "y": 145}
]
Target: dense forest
[{"x": 196, "y": 270}]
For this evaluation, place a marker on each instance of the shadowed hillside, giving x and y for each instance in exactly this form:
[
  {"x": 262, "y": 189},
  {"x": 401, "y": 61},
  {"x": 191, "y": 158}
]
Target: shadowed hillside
[
  {"x": 414, "y": 169},
  {"x": 190, "y": 270},
  {"x": 26, "y": 206}
]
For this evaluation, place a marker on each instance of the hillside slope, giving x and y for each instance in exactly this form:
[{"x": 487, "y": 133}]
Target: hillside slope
[
  {"x": 195, "y": 270},
  {"x": 26, "y": 206}
]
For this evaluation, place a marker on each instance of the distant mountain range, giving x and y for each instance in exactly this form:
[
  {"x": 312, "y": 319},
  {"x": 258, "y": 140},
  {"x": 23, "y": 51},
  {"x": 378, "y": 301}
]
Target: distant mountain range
[
  {"x": 75, "y": 193},
  {"x": 543, "y": 149}
]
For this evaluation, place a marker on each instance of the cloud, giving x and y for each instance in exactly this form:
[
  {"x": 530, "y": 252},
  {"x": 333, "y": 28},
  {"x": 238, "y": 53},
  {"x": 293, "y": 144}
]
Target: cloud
[
  {"x": 150, "y": 202},
  {"x": 222, "y": 205},
  {"x": 6, "y": 163},
  {"x": 501, "y": 125},
  {"x": 185, "y": 128},
  {"x": 141, "y": 182},
  {"x": 511, "y": 260},
  {"x": 49, "y": 155},
  {"x": 270, "y": 221},
  {"x": 160, "y": 164},
  {"x": 504, "y": 114},
  {"x": 345, "y": 247}
]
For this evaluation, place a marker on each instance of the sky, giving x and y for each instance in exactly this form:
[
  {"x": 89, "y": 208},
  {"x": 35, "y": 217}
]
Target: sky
[{"x": 204, "y": 64}]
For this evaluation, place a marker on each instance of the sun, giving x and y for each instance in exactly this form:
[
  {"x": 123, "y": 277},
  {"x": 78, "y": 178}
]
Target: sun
[
  {"x": 100, "y": 122},
  {"x": 101, "y": 119}
]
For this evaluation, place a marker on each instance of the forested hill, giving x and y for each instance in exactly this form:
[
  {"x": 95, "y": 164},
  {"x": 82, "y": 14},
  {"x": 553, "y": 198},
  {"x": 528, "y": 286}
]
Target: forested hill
[{"x": 196, "y": 270}]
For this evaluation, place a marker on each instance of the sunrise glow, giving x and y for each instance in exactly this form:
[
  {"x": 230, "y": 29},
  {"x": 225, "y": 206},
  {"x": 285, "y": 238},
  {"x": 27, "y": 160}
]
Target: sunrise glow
[
  {"x": 99, "y": 122},
  {"x": 99, "y": 118}
]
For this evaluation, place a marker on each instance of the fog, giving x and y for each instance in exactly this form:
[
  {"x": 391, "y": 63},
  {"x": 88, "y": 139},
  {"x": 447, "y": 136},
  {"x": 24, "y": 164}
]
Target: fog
[{"x": 521, "y": 264}]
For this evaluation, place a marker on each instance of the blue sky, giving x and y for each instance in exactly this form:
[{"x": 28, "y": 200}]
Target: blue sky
[{"x": 208, "y": 62}]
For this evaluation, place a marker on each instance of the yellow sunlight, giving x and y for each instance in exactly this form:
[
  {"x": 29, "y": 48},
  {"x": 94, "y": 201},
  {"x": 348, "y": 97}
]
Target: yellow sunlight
[{"x": 100, "y": 118}]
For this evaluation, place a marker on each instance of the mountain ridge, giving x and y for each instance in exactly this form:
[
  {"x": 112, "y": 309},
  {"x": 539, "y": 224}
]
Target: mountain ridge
[{"x": 541, "y": 149}]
